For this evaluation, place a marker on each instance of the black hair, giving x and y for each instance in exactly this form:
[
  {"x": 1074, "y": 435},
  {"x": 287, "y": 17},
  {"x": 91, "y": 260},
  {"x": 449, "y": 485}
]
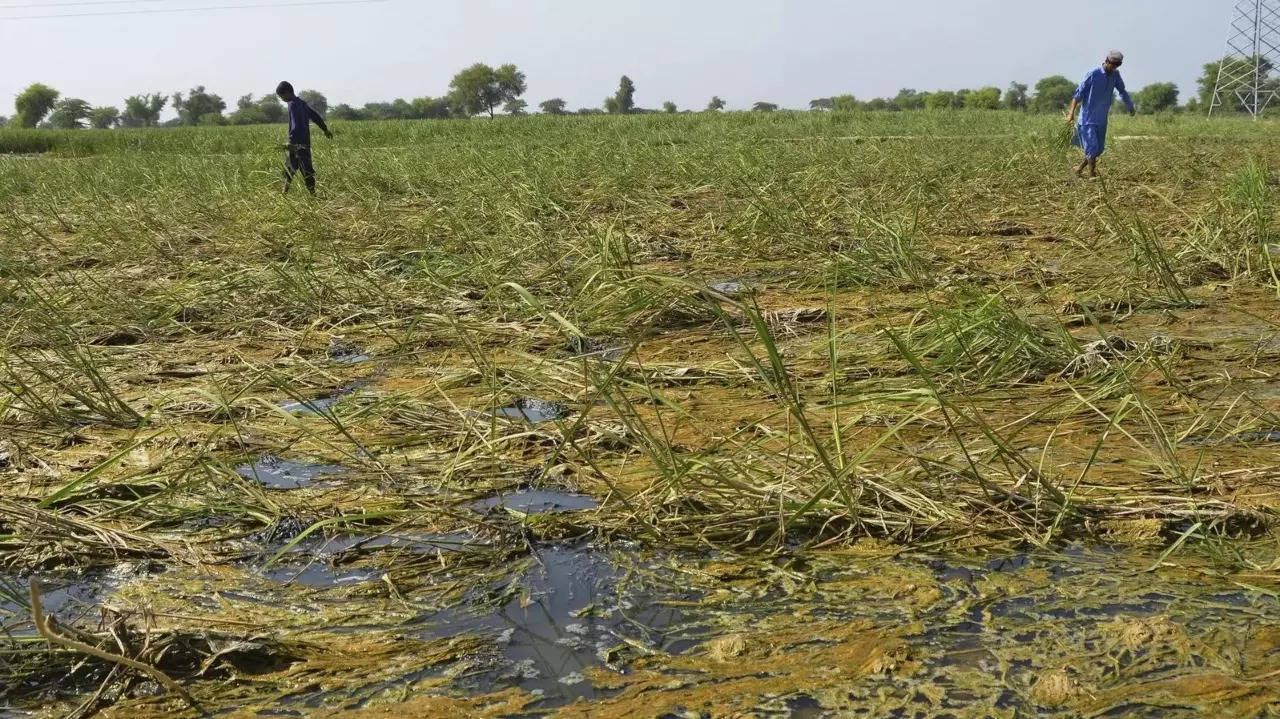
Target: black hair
[{"x": 284, "y": 87}]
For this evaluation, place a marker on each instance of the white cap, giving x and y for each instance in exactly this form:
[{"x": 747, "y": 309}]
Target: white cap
[{"x": 1115, "y": 57}]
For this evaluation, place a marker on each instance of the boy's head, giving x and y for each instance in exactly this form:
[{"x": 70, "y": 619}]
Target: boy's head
[{"x": 285, "y": 91}]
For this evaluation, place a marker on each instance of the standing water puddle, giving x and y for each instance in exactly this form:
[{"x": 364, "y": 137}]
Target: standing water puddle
[
  {"x": 570, "y": 613},
  {"x": 534, "y": 411},
  {"x": 944, "y": 633},
  {"x": 320, "y": 404},
  {"x": 278, "y": 473},
  {"x": 536, "y": 501},
  {"x": 342, "y": 353}
]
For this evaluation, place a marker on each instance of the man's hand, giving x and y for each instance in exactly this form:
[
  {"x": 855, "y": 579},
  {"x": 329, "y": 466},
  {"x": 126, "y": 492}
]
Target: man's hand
[
  {"x": 328, "y": 134},
  {"x": 1070, "y": 119},
  {"x": 1133, "y": 113}
]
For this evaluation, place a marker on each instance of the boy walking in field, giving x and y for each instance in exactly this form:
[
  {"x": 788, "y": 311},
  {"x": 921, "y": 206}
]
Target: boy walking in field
[
  {"x": 1093, "y": 98},
  {"x": 298, "y": 154}
]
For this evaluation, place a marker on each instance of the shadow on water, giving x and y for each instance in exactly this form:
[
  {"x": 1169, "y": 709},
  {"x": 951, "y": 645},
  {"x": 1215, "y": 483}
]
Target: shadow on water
[{"x": 278, "y": 473}]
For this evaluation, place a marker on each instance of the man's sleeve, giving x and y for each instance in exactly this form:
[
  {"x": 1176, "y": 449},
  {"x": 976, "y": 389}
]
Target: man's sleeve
[
  {"x": 1124, "y": 94},
  {"x": 315, "y": 117},
  {"x": 1084, "y": 86}
]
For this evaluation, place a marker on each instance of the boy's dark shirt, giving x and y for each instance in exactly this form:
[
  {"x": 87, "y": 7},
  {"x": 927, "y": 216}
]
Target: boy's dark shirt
[{"x": 300, "y": 118}]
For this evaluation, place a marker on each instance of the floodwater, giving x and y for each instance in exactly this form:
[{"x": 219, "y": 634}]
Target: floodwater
[
  {"x": 320, "y": 405},
  {"x": 536, "y": 501},
  {"x": 278, "y": 473},
  {"x": 533, "y": 411},
  {"x": 894, "y": 635}
]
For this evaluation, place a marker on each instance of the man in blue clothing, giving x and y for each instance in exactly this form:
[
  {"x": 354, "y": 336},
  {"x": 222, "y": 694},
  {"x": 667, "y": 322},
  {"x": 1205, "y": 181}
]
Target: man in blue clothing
[
  {"x": 1093, "y": 98},
  {"x": 298, "y": 157}
]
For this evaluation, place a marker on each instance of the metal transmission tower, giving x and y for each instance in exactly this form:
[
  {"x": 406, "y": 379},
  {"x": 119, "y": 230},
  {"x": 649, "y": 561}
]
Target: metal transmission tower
[{"x": 1253, "y": 50}]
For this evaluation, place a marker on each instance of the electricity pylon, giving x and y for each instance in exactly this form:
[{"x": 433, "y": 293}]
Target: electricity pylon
[{"x": 1253, "y": 50}]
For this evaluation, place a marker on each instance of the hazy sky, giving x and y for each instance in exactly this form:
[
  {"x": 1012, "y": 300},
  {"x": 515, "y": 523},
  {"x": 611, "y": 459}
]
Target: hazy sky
[{"x": 783, "y": 51}]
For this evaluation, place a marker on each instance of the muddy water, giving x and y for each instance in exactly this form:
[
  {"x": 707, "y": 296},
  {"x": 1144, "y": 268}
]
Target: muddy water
[
  {"x": 320, "y": 405},
  {"x": 568, "y": 617},
  {"x": 533, "y": 411},
  {"x": 278, "y": 473},
  {"x": 1083, "y": 631},
  {"x": 536, "y": 501}
]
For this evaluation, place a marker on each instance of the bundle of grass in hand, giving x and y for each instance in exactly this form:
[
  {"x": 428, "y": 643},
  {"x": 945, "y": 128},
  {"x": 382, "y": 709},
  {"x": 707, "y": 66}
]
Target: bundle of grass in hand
[{"x": 1062, "y": 135}]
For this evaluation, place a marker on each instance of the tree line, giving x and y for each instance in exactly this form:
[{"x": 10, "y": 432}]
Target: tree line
[{"x": 484, "y": 90}]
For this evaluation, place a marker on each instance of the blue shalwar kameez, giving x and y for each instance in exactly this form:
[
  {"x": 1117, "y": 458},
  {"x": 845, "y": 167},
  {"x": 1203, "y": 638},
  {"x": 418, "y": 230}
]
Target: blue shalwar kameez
[{"x": 1095, "y": 95}]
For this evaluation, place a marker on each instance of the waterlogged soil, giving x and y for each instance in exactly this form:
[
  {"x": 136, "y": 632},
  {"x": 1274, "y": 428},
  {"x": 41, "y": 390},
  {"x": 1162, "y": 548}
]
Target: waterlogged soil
[
  {"x": 278, "y": 473},
  {"x": 866, "y": 631},
  {"x": 587, "y": 479}
]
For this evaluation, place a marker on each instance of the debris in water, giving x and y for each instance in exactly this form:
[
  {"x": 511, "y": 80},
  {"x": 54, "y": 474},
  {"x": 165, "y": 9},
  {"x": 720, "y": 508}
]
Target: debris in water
[
  {"x": 569, "y": 616},
  {"x": 279, "y": 473},
  {"x": 344, "y": 353},
  {"x": 320, "y": 404},
  {"x": 597, "y": 348},
  {"x": 319, "y": 574},
  {"x": 533, "y": 410},
  {"x": 730, "y": 289},
  {"x": 536, "y": 501}
]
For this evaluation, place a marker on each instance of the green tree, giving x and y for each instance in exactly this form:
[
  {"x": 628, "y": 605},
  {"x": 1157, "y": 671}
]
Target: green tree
[
  {"x": 844, "y": 103},
  {"x": 343, "y": 111},
  {"x": 716, "y": 104},
  {"x": 103, "y": 118},
  {"x": 611, "y": 104},
  {"x": 315, "y": 100},
  {"x": 481, "y": 88},
  {"x": 624, "y": 100},
  {"x": 1157, "y": 97},
  {"x": 1053, "y": 93},
  {"x": 199, "y": 107},
  {"x": 822, "y": 103},
  {"x": 554, "y": 106},
  {"x": 988, "y": 98},
  {"x": 1015, "y": 98},
  {"x": 516, "y": 106},
  {"x": 940, "y": 100},
  {"x": 431, "y": 108},
  {"x": 879, "y": 103},
  {"x": 908, "y": 99},
  {"x": 143, "y": 110},
  {"x": 265, "y": 110},
  {"x": 763, "y": 106},
  {"x": 1238, "y": 68},
  {"x": 70, "y": 113},
  {"x": 670, "y": 108},
  {"x": 3, "y": 121},
  {"x": 33, "y": 103}
]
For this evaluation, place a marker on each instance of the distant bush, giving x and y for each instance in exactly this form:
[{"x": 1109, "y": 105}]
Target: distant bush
[{"x": 26, "y": 142}]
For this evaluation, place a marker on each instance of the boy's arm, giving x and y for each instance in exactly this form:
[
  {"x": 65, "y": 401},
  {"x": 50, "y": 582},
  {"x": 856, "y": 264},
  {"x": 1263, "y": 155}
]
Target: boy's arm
[
  {"x": 319, "y": 121},
  {"x": 1124, "y": 94},
  {"x": 1078, "y": 98}
]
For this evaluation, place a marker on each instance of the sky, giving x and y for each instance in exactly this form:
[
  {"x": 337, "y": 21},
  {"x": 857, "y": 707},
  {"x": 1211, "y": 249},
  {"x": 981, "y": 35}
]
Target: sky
[{"x": 782, "y": 51}]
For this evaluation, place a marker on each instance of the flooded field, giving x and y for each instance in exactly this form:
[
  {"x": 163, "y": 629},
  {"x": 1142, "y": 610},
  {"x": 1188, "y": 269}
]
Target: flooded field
[{"x": 644, "y": 417}]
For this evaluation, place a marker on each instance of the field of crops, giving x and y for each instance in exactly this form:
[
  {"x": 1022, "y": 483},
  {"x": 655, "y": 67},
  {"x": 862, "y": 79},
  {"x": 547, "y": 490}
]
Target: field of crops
[{"x": 853, "y": 414}]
